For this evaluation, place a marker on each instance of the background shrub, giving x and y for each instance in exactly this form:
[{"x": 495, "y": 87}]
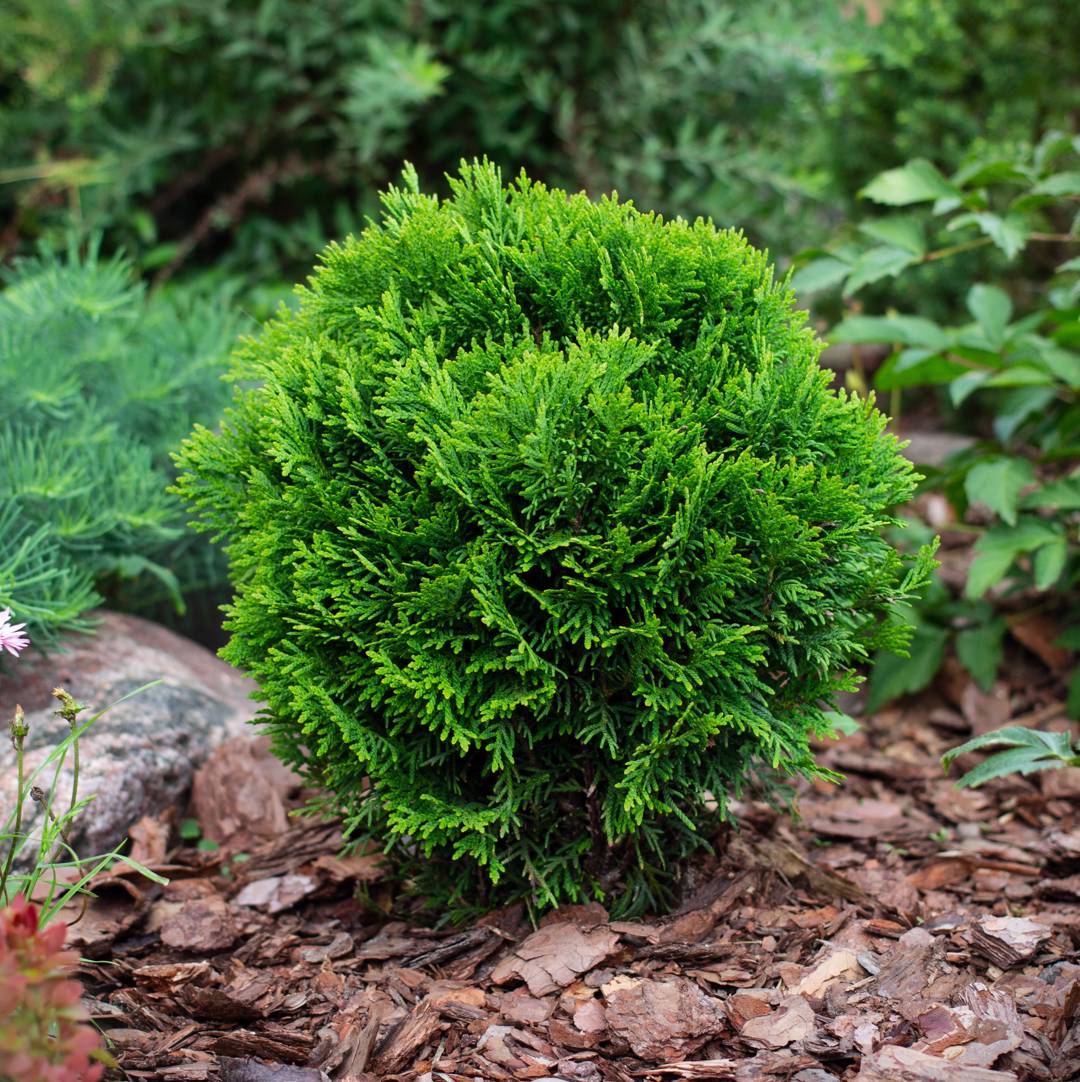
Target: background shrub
[
  {"x": 97, "y": 383},
  {"x": 1009, "y": 366},
  {"x": 543, "y": 518},
  {"x": 951, "y": 79},
  {"x": 247, "y": 134}
]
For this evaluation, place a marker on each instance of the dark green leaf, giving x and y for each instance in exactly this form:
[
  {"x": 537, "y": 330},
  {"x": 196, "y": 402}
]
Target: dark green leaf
[
  {"x": 997, "y": 484},
  {"x": 980, "y": 650},
  {"x": 1010, "y": 234},
  {"x": 820, "y": 274},
  {"x": 898, "y": 232},
  {"x": 894, "y": 676}
]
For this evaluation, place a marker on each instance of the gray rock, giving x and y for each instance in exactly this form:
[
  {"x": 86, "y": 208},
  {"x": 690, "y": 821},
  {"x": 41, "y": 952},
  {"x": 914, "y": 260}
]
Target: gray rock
[{"x": 138, "y": 758}]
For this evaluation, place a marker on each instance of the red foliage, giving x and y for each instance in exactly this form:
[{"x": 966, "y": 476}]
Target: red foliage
[{"x": 43, "y": 1035}]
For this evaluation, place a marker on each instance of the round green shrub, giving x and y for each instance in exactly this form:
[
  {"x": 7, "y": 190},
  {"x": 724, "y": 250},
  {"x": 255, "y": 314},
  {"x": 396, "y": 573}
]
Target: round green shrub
[{"x": 546, "y": 527}]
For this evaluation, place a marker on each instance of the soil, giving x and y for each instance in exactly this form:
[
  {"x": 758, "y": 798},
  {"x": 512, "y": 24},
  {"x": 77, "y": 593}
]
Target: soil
[{"x": 899, "y": 928}]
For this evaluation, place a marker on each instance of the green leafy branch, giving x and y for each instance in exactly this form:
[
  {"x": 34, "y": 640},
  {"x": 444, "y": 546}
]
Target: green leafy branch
[{"x": 1027, "y": 751}]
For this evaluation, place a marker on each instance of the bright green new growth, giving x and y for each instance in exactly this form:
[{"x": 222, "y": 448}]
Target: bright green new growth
[{"x": 543, "y": 518}]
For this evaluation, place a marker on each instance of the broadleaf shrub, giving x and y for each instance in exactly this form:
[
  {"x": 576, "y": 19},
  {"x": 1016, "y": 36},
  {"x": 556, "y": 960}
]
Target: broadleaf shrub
[
  {"x": 963, "y": 77},
  {"x": 1009, "y": 365},
  {"x": 546, "y": 528}
]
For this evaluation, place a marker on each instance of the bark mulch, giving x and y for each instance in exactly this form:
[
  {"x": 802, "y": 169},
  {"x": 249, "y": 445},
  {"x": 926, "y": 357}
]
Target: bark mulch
[{"x": 901, "y": 930}]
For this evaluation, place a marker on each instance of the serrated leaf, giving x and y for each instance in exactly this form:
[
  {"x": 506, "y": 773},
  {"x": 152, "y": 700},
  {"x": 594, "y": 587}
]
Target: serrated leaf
[
  {"x": 979, "y": 650},
  {"x": 1060, "y": 495},
  {"x": 893, "y": 676},
  {"x": 905, "y": 330},
  {"x": 997, "y": 484},
  {"x": 913, "y": 367},
  {"x": 996, "y": 550},
  {"x": 1021, "y": 375},
  {"x": 966, "y": 385},
  {"x": 1059, "y": 184},
  {"x": 1014, "y": 761},
  {"x": 898, "y": 232},
  {"x": 876, "y": 264},
  {"x": 1012, "y": 736},
  {"x": 1017, "y": 406},
  {"x": 990, "y": 172},
  {"x": 1049, "y": 562},
  {"x": 1010, "y": 234},
  {"x": 918, "y": 181},
  {"x": 1064, "y": 364},
  {"x": 820, "y": 274},
  {"x": 992, "y": 309},
  {"x": 1053, "y": 145}
]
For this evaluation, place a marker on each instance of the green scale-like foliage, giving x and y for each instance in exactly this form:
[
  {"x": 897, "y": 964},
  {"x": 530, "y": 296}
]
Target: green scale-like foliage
[{"x": 544, "y": 521}]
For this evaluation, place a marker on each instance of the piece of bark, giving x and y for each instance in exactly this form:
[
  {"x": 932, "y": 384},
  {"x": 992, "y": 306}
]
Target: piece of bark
[
  {"x": 846, "y": 817},
  {"x": 276, "y": 893},
  {"x": 662, "y": 1020},
  {"x": 712, "y": 1070},
  {"x": 277, "y": 1044},
  {"x": 555, "y": 955},
  {"x": 839, "y": 965},
  {"x": 916, "y": 972},
  {"x": 741, "y": 1008},
  {"x": 252, "y": 1070},
  {"x": 518, "y": 1005},
  {"x": 200, "y": 926},
  {"x": 976, "y": 1032},
  {"x": 399, "y": 1048},
  {"x": 996, "y": 1028},
  {"x": 792, "y": 1021},
  {"x": 238, "y": 795},
  {"x": 1007, "y": 941},
  {"x": 590, "y": 1017},
  {"x": 786, "y": 859},
  {"x": 894, "y": 1063}
]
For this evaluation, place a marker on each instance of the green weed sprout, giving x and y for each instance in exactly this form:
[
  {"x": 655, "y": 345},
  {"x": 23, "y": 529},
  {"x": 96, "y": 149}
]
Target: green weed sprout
[
  {"x": 57, "y": 874},
  {"x": 1027, "y": 751}
]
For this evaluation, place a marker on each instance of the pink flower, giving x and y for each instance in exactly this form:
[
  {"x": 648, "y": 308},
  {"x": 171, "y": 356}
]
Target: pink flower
[{"x": 12, "y": 637}]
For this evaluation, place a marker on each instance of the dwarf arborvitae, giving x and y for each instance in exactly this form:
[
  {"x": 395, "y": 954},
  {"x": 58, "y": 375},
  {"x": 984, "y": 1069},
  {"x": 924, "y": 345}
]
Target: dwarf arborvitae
[{"x": 546, "y": 527}]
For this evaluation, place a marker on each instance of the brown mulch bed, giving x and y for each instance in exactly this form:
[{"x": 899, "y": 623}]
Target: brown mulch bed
[{"x": 901, "y": 929}]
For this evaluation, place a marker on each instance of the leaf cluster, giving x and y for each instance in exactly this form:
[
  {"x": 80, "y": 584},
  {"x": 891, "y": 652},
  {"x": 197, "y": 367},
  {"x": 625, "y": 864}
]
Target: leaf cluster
[
  {"x": 1010, "y": 367},
  {"x": 546, "y": 528}
]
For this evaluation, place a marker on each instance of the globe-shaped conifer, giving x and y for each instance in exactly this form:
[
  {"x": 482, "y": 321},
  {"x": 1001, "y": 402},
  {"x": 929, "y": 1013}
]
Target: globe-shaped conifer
[{"x": 546, "y": 527}]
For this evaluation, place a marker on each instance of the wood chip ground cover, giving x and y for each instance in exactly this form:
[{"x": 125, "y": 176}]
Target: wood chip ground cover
[{"x": 902, "y": 930}]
